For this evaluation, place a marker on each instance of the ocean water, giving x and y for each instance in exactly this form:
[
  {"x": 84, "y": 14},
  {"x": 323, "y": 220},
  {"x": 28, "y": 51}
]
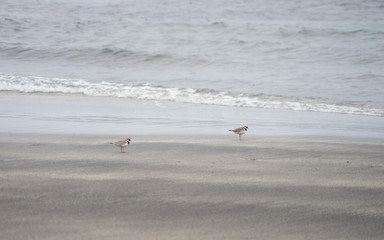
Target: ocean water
[{"x": 246, "y": 57}]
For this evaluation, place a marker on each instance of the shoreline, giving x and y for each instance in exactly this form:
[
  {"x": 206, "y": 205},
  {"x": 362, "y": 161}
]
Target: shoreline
[
  {"x": 191, "y": 187},
  {"x": 76, "y": 114}
]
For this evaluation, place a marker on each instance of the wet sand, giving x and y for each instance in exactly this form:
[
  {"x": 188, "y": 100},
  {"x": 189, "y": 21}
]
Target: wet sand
[{"x": 193, "y": 187}]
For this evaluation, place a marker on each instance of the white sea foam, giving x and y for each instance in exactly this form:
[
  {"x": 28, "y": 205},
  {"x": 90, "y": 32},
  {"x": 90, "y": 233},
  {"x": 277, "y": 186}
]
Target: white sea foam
[{"x": 34, "y": 84}]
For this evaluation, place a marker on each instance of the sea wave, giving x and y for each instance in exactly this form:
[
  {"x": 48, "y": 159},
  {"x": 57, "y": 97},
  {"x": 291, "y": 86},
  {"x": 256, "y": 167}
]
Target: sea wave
[
  {"x": 89, "y": 55},
  {"x": 35, "y": 84}
]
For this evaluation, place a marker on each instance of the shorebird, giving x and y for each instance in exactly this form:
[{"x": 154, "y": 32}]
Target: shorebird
[
  {"x": 121, "y": 144},
  {"x": 240, "y": 131}
]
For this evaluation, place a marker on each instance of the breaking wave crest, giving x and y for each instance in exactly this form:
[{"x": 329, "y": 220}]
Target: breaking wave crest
[{"x": 34, "y": 84}]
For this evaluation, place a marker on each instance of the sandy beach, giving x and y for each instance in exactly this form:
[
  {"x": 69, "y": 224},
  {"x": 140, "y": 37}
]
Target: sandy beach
[{"x": 193, "y": 187}]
